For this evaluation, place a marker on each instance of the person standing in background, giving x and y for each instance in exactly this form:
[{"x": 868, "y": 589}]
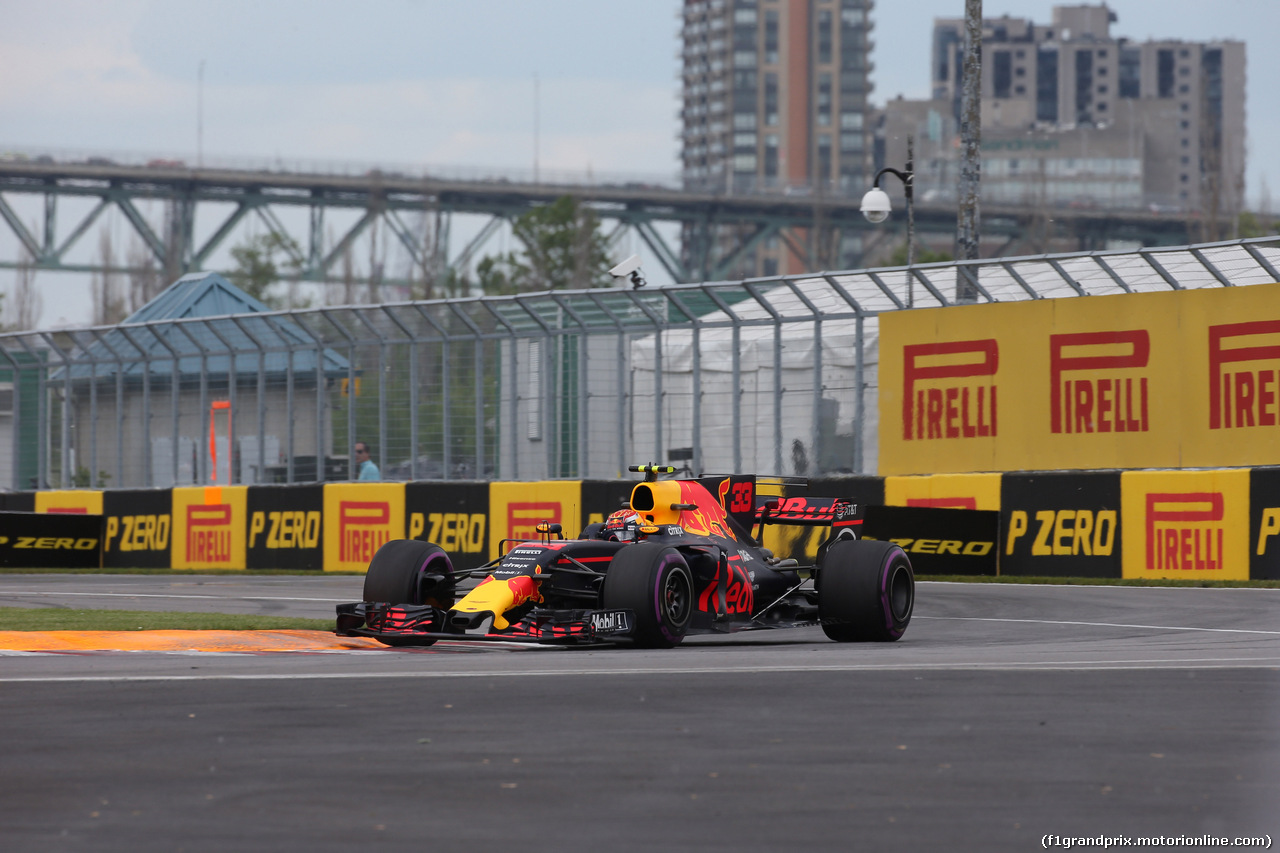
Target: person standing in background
[{"x": 368, "y": 470}]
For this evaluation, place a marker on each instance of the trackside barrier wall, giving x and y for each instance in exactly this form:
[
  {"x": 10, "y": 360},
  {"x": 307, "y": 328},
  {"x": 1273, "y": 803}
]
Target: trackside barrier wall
[
  {"x": 1221, "y": 524},
  {"x": 1182, "y": 379}
]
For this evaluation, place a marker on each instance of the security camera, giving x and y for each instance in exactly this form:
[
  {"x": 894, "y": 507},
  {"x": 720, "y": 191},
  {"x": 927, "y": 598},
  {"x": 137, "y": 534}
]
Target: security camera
[
  {"x": 875, "y": 205},
  {"x": 629, "y": 268},
  {"x": 626, "y": 268}
]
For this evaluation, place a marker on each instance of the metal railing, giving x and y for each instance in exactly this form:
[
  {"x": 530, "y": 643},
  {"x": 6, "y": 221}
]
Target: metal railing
[{"x": 774, "y": 376}]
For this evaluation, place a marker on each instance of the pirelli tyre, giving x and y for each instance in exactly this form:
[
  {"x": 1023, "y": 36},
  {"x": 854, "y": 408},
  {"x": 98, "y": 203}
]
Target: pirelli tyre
[
  {"x": 655, "y": 583},
  {"x": 401, "y": 573},
  {"x": 866, "y": 591}
]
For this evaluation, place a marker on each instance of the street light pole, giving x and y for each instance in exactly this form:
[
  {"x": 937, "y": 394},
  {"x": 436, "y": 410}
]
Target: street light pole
[
  {"x": 968, "y": 216},
  {"x": 876, "y": 207}
]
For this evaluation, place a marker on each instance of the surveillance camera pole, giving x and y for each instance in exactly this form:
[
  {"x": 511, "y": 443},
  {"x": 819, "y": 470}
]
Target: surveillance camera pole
[{"x": 907, "y": 176}]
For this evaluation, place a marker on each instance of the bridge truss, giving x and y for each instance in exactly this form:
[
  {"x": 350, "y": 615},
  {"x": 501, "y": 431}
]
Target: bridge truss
[{"x": 417, "y": 211}]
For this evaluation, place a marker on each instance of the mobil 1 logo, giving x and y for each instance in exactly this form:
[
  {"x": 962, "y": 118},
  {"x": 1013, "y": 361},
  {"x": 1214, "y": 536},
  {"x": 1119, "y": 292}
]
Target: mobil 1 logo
[{"x": 1061, "y": 525}]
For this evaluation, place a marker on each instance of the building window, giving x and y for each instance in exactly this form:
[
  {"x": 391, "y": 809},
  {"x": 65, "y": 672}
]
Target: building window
[
  {"x": 771, "y": 155},
  {"x": 1047, "y": 85},
  {"x": 1001, "y": 73},
  {"x": 824, "y": 160},
  {"x": 771, "y": 36},
  {"x": 1084, "y": 85},
  {"x": 824, "y": 35},
  {"x": 770, "y": 99},
  {"x": 1164, "y": 73},
  {"x": 824, "y": 100},
  {"x": 1130, "y": 72}
]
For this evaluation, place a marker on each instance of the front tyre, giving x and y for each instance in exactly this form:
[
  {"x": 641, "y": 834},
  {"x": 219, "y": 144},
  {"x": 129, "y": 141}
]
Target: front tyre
[
  {"x": 655, "y": 583},
  {"x": 866, "y": 591},
  {"x": 403, "y": 571}
]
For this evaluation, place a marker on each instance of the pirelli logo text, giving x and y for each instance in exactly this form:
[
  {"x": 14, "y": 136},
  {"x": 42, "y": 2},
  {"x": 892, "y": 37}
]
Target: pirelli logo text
[
  {"x": 363, "y": 528},
  {"x": 1185, "y": 531},
  {"x": 1112, "y": 395},
  {"x": 948, "y": 390},
  {"x": 1244, "y": 375},
  {"x": 209, "y": 533}
]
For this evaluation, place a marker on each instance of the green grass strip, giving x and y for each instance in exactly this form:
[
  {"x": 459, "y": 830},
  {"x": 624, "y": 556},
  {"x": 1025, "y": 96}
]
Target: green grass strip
[{"x": 59, "y": 619}]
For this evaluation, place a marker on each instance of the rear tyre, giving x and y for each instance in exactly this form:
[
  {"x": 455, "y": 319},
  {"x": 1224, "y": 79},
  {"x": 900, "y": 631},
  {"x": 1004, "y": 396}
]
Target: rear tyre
[
  {"x": 655, "y": 583},
  {"x": 398, "y": 574},
  {"x": 866, "y": 591}
]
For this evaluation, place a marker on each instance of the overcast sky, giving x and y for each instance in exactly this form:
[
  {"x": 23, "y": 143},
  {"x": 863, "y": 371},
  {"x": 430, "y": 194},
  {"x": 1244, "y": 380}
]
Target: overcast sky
[{"x": 451, "y": 84}]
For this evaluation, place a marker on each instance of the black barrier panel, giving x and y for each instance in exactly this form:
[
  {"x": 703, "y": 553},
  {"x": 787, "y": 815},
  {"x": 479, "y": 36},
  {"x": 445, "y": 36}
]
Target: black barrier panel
[
  {"x": 139, "y": 528},
  {"x": 601, "y": 498},
  {"x": 1061, "y": 525},
  {"x": 18, "y": 502},
  {"x": 453, "y": 515},
  {"x": 286, "y": 527},
  {"x": 801, "y": 543},
  {"x": 50, "y": 540},
  {"x": 939, "y": 541},
  {"x": 1264, "y": 524}
]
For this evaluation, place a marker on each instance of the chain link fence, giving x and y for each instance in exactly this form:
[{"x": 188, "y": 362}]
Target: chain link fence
[{"x": 772, "y": 376}]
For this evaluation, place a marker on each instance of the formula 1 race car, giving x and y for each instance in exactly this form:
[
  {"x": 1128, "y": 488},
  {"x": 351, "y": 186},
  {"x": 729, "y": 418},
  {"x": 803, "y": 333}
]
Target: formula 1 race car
[{"x": 680, "y": 558}]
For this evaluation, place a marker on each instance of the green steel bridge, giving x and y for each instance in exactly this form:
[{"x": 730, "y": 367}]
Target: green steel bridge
[{"x": 303, "y": 205}]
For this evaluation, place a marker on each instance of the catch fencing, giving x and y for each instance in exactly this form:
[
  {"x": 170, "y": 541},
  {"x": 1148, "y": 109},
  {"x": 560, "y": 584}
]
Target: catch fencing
[{"x": 773, "y": 376}]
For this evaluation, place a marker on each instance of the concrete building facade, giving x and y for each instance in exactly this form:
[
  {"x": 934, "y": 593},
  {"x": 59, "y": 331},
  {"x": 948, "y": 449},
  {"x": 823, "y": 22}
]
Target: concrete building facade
[
  {"x": 775, "y": 100},
  {"x": 1072, "y": 114}
]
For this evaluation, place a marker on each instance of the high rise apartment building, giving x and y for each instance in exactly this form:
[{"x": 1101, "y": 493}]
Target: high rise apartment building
[
  {"x": 775, "y": 101},
  {"x": 1071, "y": 113}
]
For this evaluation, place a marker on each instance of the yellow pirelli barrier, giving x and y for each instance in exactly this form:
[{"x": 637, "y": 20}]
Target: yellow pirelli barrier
[
  {"x": 1148, "y": 380},
  {"x": 81, "y": 501},
  {"x": 516, "y": 508},
  {"x": 359, "y": 518},
  {"x": 1186, "y": 525},
  {"x": 209, "y": 527},
  {"x": 945, "y": 491}
]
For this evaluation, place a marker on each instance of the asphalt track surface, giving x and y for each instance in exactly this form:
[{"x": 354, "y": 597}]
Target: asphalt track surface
[{"x": 1006, "y": 714}]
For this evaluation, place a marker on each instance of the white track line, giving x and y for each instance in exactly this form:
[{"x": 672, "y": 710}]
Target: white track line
[
  {"x": 1102, "y": 625},
  {"x": 1019, "y": 666}
]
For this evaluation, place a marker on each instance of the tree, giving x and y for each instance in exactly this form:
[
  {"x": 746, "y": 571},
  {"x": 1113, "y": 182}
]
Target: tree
[
  {"x": 256, "y": 270},
  {"x": 108, "y": 297},
  {"x": 25, "y": 302},
  {"x": 923, "y": 256},
  {"x": 563, "y": 250},
  {"x": 1256, "y": 225},
  {"x": 145, "y": 282}
]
